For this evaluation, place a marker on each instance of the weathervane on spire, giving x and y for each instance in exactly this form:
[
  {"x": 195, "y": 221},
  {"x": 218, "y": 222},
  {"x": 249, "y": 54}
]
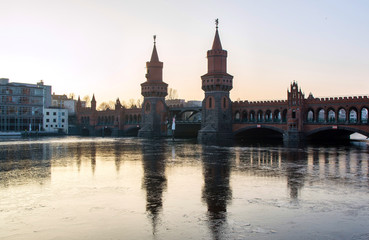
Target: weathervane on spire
[
  {"x": 154, "y": 39},
  {"x": 216, "y": 23}
]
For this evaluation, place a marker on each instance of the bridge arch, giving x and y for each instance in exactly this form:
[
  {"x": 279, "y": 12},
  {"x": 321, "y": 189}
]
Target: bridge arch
[
  {"x": 258, "y": 133},
  {"x": 132, "y": 131},
  {"x": 341, "y": 133}
]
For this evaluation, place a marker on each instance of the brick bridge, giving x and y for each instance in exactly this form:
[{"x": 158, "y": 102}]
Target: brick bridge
[
  {"x": 306, "y": 118},
  {"x": 295, "y": 119}
]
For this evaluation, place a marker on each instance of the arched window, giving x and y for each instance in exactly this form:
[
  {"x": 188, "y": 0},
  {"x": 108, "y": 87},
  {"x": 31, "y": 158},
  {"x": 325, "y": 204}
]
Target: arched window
[
  {"x": 353, "y": 116},
  {"x": 260, "y": 116},
  {"x": 210, "y": 102},
  {"x": 284, "y": 115},
  {"x": 277, "y": 116},
  {"x": 331, "y": 116},
  {"x": 342, "y": 115},
  {"x": 321, "y": 117},
  {"x": 268, "y": 116},
  {"x": 244, "y": 116},
  {"x": 147, "y": 107},
  {"x": 237, "y": 116},
  {"x": 224, "y": 103},
  {"x": 364, "y": 115},
  {"x": 310, "y": 116},
  {"x": 252, "y": 116}
]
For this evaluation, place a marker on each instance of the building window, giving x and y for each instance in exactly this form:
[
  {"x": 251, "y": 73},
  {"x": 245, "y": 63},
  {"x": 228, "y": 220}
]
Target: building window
[
  {"x": 47, "y": 120},
  {"x": 63, "y": 113},
  {"x": 63, "y": 120},
  {"x": 54, "y": 120},
  {"x": 51, "y": 125},
  {"x": 47, "y": 113},
  {"x": 293, "y": 114},
  {"x": 54, "y": 113},
  {"x": 47, "y": 125}
]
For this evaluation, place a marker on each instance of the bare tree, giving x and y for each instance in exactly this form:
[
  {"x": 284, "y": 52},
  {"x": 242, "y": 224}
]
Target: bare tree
[
  {"x": 131, "y": 103},
  {"x": 172, "y": 94},
  {"x": 71, "y": 95},
  {"x": 87, "y": 99},
  {"x": 106, "y": 105},
  {"x": 139, "y": 104}
]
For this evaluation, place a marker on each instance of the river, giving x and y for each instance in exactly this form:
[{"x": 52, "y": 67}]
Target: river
[{"x": 131, "y": 188}]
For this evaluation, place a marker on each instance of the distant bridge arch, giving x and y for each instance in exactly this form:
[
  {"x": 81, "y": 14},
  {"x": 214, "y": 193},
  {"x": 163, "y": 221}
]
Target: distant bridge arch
[
  {"x": 259, "y": 132},
  {"x": 334, "y": 132}
]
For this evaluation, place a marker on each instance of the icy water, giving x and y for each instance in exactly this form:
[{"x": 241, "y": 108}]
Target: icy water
[{"x": 129, "y": 188}]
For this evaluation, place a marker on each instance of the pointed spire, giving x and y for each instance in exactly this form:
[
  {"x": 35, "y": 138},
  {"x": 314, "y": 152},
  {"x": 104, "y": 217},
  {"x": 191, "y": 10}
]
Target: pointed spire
[
  {"x": 93, "y": 98},
  {"x": 154, "y": 55},
  {"x": 216, "y": 44}
]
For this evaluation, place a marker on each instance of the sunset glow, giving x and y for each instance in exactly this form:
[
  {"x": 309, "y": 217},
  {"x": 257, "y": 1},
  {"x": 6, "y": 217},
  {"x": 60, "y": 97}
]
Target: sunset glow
[{"x": 101, "y": 47}]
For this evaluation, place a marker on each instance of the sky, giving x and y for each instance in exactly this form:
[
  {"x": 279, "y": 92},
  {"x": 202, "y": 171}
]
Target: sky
[{"x": 101, "y": 46}]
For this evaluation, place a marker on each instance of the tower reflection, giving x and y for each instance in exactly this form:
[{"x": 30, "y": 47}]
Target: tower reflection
[
  {"x": 154, "y": 179},
  {"x": 295, "y": 171},
  {"x": 216, "y": 191}
]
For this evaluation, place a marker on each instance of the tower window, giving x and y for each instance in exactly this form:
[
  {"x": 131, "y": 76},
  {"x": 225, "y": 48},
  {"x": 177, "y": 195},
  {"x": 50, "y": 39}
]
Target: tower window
[
  {"x": 210, "y": 102},
  {"x": 224, "y": 103},
  {"x": 147, "y": 107}
]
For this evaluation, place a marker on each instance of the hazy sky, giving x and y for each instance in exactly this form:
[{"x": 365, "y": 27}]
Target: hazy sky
[{"x": 101, "y": 46}]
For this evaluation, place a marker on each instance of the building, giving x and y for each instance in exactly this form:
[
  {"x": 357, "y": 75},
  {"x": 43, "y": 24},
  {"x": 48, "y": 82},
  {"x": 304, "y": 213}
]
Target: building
[
  {"x": 216, "y": 106},
  {"x": 55, "y": 120},
  {"x": 62, "y": 101},
  {"x": 154, "y": 109},
  {"x": 22, "y": 104}
]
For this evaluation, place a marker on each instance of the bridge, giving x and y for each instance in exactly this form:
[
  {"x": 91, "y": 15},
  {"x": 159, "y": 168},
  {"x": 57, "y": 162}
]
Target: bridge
[
  {"x": 188, "y": 120},
  {"x": 310, "y": 118},
  {"x": 295, "y": 119}
]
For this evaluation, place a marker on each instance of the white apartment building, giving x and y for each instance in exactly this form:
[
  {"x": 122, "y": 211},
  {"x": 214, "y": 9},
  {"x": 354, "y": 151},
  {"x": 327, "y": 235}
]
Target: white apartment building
[{"x": 55, "y": 120}]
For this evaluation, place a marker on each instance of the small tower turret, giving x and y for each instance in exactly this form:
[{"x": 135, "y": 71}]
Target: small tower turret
[{"x": 93, "y": 103}]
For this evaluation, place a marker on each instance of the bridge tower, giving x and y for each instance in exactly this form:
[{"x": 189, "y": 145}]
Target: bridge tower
[
  {"x": 154, "y": 90},
  {"x": 295, "y": 99},
  {"x": 216, "y": 106}
]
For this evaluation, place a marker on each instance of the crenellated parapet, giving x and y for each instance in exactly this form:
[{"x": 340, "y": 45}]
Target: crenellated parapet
[
  {"x": 352, "y": 99},
  {"x": 259, "y": 103}
]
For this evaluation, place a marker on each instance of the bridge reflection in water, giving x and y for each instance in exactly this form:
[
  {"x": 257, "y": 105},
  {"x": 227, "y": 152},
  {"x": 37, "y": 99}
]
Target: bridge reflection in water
[{"x": 231, "y": 181}]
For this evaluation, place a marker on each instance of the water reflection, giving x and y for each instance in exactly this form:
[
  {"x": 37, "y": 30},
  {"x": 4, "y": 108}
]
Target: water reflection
[
  {"x": 25, "y": 163},
  {"x": 93, "y": 157},
  {"x": 239, "y": 188},
  {"x": 216, "y": 192},
  {"x": 154, "y": 179},
  {"x": 295, "y": 171}
]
